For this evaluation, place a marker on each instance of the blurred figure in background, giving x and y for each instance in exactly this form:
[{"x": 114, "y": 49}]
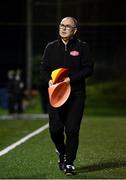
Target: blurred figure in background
[
  {"x": 16, "y": 94},
  {"x": 11, "y": 78}
]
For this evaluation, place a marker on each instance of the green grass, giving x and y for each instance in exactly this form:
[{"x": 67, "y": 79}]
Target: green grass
[
  {"x": 101, "y": 152},
  {"x": 34, "y": 105},
  {"x": 12, "y": 130},
  {"x": 3, "y": 111},
  {"x": 106, "y": 99}
]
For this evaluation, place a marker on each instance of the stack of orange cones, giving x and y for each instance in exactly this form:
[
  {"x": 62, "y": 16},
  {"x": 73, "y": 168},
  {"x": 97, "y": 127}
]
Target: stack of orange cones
[
  {"x": 59, "y": 92},
  {"x": 58, "y": 75}
]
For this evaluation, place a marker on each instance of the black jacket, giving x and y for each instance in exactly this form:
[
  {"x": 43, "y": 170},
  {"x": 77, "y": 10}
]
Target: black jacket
[{"x": 74, "y": 56}]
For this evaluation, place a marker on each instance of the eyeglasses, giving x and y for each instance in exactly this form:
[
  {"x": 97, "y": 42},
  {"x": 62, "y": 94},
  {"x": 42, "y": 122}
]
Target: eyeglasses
[{"x": 67, "y": 27}]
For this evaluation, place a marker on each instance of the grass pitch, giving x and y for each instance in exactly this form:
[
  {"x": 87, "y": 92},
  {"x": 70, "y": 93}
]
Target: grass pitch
[{"x": 101, "y": 152}]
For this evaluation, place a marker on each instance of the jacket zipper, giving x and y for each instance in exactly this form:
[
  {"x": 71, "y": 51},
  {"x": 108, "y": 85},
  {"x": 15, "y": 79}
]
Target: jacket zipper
[{"x": 65, "y": 55}]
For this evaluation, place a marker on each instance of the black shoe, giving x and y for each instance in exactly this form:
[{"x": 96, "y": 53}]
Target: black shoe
[
  {"x": 69, "y": 170},
  {"x": 61, "y": 160}
]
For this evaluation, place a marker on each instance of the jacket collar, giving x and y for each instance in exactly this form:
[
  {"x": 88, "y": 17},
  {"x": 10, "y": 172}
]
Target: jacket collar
[{"x": 71, "y": 41}]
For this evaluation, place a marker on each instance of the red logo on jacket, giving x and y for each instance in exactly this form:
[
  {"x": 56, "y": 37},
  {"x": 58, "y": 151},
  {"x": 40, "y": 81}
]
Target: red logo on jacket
[{"x": 74, "y": 53}]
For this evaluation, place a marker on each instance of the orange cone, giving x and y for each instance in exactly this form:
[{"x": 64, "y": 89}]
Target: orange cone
[{"x": 59, "y": 93}]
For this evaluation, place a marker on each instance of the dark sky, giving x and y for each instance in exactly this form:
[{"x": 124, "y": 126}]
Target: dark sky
[
  {"x": 102, "y": 24},
  {"x": 12, "y": 36}
]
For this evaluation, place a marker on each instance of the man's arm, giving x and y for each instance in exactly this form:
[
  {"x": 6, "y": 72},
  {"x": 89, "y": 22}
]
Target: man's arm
[{"x": 45, "y": 68}]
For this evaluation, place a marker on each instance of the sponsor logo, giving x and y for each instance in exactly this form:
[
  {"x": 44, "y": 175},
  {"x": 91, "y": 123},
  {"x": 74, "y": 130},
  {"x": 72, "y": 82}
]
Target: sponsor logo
[{"x": 74, "y": 53}]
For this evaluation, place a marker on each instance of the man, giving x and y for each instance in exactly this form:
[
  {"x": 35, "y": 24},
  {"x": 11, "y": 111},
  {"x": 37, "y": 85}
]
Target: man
[
  {"x": 10, "y": 86},
  {"x": 64, "y": 122},
  {"x": 18, "y": 92}
]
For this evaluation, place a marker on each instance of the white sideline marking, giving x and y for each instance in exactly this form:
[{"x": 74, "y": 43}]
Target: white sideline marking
[
  {"x": 24, "y": 116},
  {"x": 14, "y": 145}
]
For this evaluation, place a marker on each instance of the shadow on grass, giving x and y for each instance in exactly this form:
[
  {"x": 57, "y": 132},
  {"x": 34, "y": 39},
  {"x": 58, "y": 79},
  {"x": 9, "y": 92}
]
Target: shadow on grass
[{"x": 101, "y": 166}]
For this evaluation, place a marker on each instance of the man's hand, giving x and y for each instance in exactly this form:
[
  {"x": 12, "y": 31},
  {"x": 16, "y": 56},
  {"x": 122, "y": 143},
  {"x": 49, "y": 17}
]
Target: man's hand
[
  {"x": 67, "y": 80},
  {"x": 50, "y": 82}
]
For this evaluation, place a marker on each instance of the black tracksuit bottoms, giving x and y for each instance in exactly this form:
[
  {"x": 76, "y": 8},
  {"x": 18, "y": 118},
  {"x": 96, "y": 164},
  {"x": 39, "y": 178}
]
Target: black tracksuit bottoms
[{"x": 64, "y": 125}]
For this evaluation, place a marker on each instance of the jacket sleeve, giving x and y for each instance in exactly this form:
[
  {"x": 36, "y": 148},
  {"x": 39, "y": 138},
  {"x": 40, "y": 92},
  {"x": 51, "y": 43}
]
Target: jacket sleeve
[
  {"x": 86, "y": 65},
  {"x": 45, "y": 70}
]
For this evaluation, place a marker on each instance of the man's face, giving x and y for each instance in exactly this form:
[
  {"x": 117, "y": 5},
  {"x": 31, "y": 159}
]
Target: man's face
[{"x": 67, "y": 28}]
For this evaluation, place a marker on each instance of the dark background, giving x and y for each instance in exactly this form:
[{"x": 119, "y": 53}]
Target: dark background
[{"x": 101, "y": 23}]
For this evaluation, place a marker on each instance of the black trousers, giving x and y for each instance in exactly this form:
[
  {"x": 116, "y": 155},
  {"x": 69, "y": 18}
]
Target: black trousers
[{"x": 64, "y": 125}]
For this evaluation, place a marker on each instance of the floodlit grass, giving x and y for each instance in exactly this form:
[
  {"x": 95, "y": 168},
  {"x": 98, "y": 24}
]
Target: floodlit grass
[
  {"x": 3, "y": 111},
  {"x": 12, "y": 130},
  {"x": 101, "y": 152},
  {"x": 34, "y": 105},
  {"x": 106, "y": 99}
]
